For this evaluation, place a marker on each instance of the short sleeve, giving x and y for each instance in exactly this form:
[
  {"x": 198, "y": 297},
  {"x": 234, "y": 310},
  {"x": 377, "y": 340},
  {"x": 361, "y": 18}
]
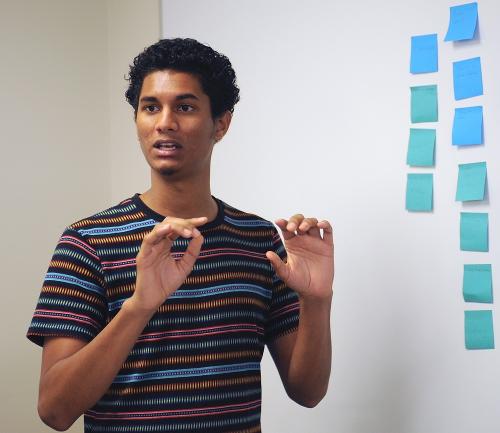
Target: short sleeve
[
  {"x": 283, "y": 315},
  {"x": 72, "y": 301}
]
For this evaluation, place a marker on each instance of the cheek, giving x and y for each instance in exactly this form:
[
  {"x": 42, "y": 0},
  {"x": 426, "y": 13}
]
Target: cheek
[
  {"x": 142, "y": 130},
  {"x": 142, "y": 142},
  {"x": 203, "y": 130}
]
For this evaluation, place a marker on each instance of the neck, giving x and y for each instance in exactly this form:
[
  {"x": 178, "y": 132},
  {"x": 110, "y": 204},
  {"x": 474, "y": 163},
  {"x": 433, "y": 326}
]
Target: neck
[{"x": 186, "y": 198}]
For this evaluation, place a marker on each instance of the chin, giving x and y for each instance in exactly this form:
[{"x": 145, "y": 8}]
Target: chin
[{"x": 167, "y": 172}]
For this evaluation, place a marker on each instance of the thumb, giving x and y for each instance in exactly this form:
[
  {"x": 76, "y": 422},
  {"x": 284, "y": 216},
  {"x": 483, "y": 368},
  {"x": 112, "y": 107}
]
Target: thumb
[
  {"x": 279, "y": 265},
  {"x": 192, "y": 252}
]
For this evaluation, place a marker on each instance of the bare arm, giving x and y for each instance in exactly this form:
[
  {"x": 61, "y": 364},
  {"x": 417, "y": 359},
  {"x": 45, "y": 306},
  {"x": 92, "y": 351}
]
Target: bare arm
[
  {"x": 75, "y": 374},
  {"x": 303, "y": 358}
]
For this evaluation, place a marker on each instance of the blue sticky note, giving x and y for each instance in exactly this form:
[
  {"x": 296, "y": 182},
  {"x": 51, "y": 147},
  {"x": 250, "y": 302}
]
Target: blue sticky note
[
  {"x": 477, "y": 284},
  {"x": 479, "y": 329},
  {"x": 419, "y": 192},
  {"x": 463, "y": 22},
  {"x": 424, "y": 106},
  {"x": 467, "y": 126},
  {"x": 424, "y": 54},
  {"x": 467, "y": 78},
  {"x": 471, "y": 181},
  {"x": 421, "y": 147},
  {"x": 474, "y": 231}
]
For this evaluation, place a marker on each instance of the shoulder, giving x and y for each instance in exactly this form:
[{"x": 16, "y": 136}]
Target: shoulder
[
  {"x": 238, "y": 217},
  {"x": 125, "y": 214},
  {"x": 252, "y": 227}
]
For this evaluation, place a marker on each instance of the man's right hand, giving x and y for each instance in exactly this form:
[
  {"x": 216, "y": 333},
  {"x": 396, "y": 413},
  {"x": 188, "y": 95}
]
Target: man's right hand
[{"x": 158, "y": 273}]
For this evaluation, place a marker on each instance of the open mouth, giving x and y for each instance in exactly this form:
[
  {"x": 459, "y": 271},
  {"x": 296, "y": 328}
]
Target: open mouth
[
  {"x": 167, "y": 145},
  {"x": 167, "y": 148}
]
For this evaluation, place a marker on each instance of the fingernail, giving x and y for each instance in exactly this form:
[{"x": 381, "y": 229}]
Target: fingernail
[{"x": 186, "y": 231}]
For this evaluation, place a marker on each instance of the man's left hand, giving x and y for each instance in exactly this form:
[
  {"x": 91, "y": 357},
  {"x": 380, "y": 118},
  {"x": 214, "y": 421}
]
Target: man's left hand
[{"x": 309, "y": 267}]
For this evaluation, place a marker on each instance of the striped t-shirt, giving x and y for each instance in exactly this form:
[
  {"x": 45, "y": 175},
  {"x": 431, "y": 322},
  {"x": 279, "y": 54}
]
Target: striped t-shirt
[{"x": 196, "y": 366}]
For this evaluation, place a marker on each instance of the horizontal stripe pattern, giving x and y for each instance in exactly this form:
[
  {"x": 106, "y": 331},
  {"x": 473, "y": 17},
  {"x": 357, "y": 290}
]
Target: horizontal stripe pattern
[
  {"x": 196, "y": 366},
  {"x": 188, "y": 400},
  {"x": 187, "y": 372},
  {"x": 179, "y": 413}
]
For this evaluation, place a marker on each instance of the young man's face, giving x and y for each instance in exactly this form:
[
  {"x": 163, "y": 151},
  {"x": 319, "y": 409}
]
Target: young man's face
[{"x": 175, "y": 125}]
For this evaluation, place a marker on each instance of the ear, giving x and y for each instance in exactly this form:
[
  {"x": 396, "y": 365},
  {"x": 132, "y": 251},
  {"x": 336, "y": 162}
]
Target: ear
[{"x": 222, "y": 125}]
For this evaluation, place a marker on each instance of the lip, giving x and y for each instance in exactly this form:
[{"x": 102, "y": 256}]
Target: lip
[
  {"x": 158, "y": 142},
  {"x": 166, "y": 152}
]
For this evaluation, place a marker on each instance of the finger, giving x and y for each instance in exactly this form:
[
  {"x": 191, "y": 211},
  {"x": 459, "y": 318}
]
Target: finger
[
  {"x": 185, "y": 227},
  {"x": 181, "y": 228},
  {"x": 193, "y": 222},
  {"x": 153, "y": 238},
  {"x": 315, "y": 231},
  {"x": 278, "y": 265},
  {"x": 198, "y": 221},
  {"x": 158, "y": 234},
  {"x": 282, "y": 224},
  {"x": 191, "y": 254},
  {"x": 294, "y": 222},
  {"x": 163, "y": 232},
  {"x": 171, "y": 235},
  {"x": 308, "y": 225},
  {"x": 327, "y": 231}
]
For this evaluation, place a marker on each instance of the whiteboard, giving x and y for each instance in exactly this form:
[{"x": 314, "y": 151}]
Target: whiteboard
[{"x": 322, "y": 128}]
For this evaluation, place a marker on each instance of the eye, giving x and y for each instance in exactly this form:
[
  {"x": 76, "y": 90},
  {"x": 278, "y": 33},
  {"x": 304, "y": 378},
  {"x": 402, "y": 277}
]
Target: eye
[
  {"x": 150, "y": 108},
  {"x": 185, "y": 108}
]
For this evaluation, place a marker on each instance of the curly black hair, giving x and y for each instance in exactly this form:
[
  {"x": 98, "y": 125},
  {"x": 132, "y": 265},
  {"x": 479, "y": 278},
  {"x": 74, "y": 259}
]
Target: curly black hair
[{"x": 214, "y": 70}]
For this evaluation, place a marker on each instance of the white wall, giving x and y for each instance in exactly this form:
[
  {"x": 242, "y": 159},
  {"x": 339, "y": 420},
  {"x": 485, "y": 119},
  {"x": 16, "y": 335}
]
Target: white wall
[
  {"x": 132, "y": 25},
  {"x": 322, "y": 128},
  {"x": 61, "y": 61},
  {"x": 53, "y": 166}
]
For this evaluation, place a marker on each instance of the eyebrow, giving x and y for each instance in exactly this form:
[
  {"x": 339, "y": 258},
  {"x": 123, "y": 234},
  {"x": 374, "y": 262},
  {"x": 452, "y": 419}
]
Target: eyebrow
[
  {"x": 180, "y": 97},
  {"x": 186, "y": 96}
]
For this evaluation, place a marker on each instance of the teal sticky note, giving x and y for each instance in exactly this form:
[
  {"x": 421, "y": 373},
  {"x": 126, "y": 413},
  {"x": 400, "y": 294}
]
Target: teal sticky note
[
  {"x": 479, "y": 329},
  {"x": 463, "y": 22},
  {"x": 424, "y": 105},
  {"x": 474, "y": 231},
  {"x": 421, "y": 147},
  {"x": 471, "y": 181},
  {"x": 424, "y": 54},
  {"x": 467, "y": 126},
  {"x": 477, "y": 284},
  {"x": 419, "y": 192},
  {"x": 467, "y": 78}
]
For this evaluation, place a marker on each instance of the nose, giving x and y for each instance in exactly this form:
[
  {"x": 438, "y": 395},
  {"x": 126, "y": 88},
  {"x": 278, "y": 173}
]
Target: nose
[{"x": 167, "y": 121}]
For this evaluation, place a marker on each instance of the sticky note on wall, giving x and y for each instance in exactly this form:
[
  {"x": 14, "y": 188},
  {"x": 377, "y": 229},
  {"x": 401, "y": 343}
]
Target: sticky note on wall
[
  {"x": 424, "y": 54},
  {"x": 471, "y": 181},
  {"x": 467, "y": 78},
  {"x": 463, "y": 22},
  {"x": 467, "y": 126},
  {"x": 424, "y": 105},
  {"x": 419, "y": 192},
  {"x": 474, "y": 231},
  {"x": 479, "y": 330},
  {"x": 421, "y": 147},
  {"x": 477, "y": 283}
]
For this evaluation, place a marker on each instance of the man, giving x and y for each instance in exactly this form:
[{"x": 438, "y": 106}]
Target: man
[{"x": 154, "y": 313}]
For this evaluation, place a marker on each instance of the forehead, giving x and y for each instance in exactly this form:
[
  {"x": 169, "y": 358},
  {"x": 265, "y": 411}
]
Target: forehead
[{"x": 170, "y": 82}]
